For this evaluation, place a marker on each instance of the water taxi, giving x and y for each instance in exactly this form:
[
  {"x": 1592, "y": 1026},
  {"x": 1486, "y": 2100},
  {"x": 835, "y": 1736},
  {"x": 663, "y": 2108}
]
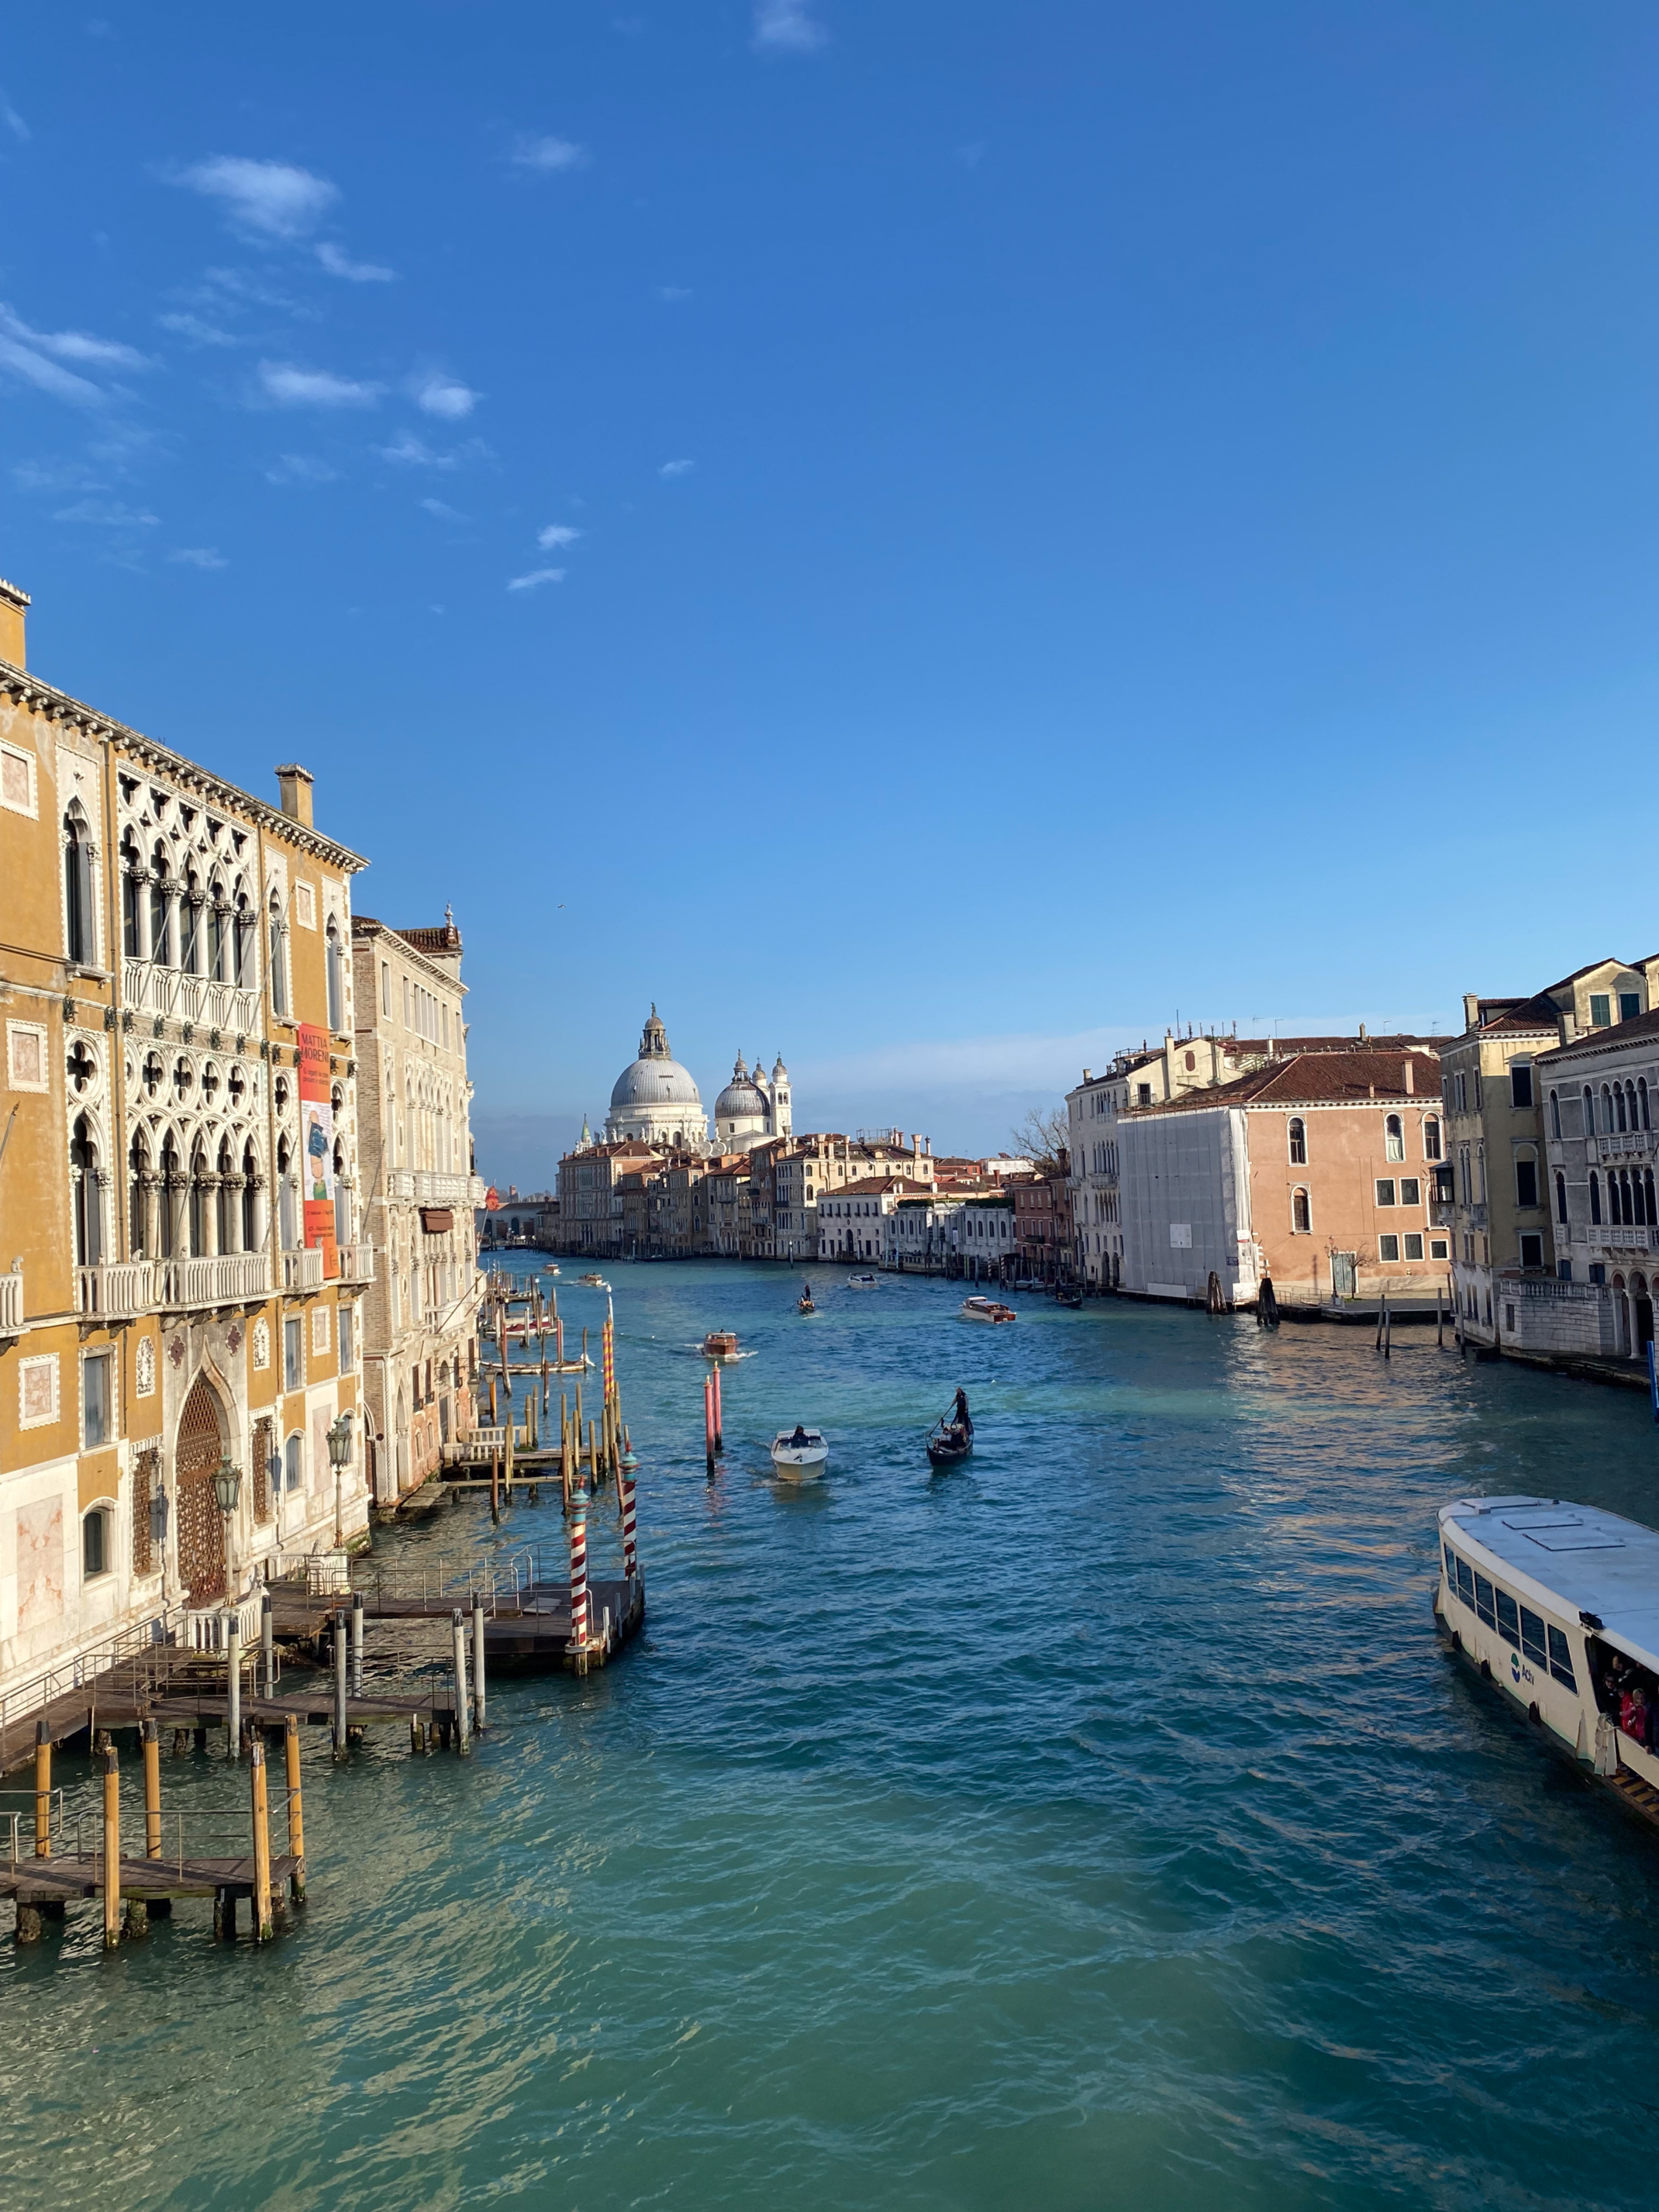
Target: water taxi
[
  {"x": 721, "y": 1345},
  {"x": 549, "y": 1267},
  {"x": 799, "y": 1454},
  {"x": 593, "y": 1282},
  {"x": 862, "y": 1282},
  {"x": 985, "y": 1310},
  {"x": 1558, "y": 1605}
]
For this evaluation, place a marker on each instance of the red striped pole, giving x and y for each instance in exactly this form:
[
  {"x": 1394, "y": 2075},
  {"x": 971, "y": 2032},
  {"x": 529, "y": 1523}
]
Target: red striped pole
[
  {"x": 577, "y": 1646},
  {"x": 631, "y": 1550},
  {"x": 708, "y": 1421},
  {"x": 719, "y": 1416}
]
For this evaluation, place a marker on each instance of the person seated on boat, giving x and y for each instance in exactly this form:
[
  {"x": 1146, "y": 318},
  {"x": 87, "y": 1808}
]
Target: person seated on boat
[{"x": 800, "y": 1437}]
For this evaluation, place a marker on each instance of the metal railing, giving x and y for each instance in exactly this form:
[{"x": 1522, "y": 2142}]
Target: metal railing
[
  {"x": 498, "y": 1581},
  {"x": 11, "y": 1303},
  {"x": 23, "y": 1702},
  {"x": 323, "y": 1573}
]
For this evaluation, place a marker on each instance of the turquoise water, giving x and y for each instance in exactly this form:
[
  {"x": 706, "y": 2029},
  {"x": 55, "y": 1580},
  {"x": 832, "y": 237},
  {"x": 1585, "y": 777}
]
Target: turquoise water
[{"x": 1097, "y": 1824}]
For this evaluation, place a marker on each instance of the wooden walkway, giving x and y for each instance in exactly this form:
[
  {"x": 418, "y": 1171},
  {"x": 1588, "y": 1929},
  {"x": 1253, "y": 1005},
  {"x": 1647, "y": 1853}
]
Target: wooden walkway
[{"x": 79, "y": 1875}]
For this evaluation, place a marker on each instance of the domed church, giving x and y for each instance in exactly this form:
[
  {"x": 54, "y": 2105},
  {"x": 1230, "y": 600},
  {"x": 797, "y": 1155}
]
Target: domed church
[{"x": 657, "y": 1102}]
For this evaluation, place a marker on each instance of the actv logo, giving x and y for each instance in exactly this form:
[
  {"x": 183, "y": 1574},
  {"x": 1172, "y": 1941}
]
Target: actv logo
[{"x": 1514, "y": 1664}]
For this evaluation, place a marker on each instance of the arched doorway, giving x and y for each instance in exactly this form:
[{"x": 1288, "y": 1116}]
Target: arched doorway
[{"x": 196, "y": 1457}]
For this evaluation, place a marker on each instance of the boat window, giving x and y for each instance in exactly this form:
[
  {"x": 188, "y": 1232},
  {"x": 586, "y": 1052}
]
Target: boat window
[
  {"x": 1509, "y": 1618},
  {"x": 1466, "y": 1584},
  {"x": 1561, "y": 1657},
  {"x": 1532, "y": 1637},
  {"x": 1483, "y": 1604}
]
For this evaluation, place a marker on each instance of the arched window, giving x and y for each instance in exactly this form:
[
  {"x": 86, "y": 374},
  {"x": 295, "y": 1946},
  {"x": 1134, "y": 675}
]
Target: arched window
[
  {"x": 292, "y": 1471},
  {"x": 132, "y": 897},
  {"x": 80, "y": 934},
  {"x": 198, "y": 1203},
  {"x": 228, "y": 1218},
  {"x": 1589, "y": 1111},
  {"x": 218, "y": 949},
  {"x": 1301, "y": 1211},
  {"x": 83, "y": 1176},
  {"x": 1431, "y": 1137},
  {"x": 190, "y": 924},
  {"x": 242, "y": 940},
  {"x": 251, "y": 1238},
  {"x": 138, "y": 1169},
  {"x": 1561, "y": 1197},
  {"x": 1595, "y": 1193},
  {"x": 1555, "y": 1115},
  {"x": 1642, "y": 1101},
  {"x": 1648, "y": 1192},
  {"x": 1618, "y": 1106},
  {"x": 1394, "y": 1137},
  {"x": 97, "y": 1552},
  {"x": 279, "y": 960},
  {"x": 336, "y": 980},
  {"x": 172, "y": 1176},
  {"x": 286, "y": 1224},
  {"x": 1299, "y": 1141},
  {"x": 160, "y": 909},
  {"x": 1606, "y": 1109}
]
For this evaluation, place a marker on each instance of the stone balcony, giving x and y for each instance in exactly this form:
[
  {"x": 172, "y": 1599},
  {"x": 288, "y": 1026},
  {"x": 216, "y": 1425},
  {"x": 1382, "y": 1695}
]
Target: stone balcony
[
  {"x": 356, "y": 1263},
  {"x": 428, "y": 1187},
  {"x": 228, "y": 1007},
  {"x": 1626, "y": 1143},
  {"x": 11, "y": 1304},
  {"x": 115, "y": 1290},
  {"x": 303, "y": 1270},
  {"x": 224, "y": 1279}
]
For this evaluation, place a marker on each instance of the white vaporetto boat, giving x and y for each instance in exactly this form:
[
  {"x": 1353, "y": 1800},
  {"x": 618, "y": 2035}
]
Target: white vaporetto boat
[
  {"x": 799, "y": 1454},
  {"x": 985, "y": 1310},
  {"x": 1558, "y": 1605}
]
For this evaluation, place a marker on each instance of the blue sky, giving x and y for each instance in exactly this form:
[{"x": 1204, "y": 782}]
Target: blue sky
[{"x": 927, "y": 536}]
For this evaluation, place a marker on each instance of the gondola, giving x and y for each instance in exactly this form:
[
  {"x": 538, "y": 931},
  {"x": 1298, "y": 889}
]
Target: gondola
[
  {"x": 952, "y": 1435},
  {"x": 1069, "y": 1295},
  {"x": 804, "y": 1302}
]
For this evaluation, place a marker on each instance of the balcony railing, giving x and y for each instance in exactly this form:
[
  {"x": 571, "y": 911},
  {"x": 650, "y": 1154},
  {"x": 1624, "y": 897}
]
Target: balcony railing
[
  {"x": 303, "y": 1271},
  {"x": 227, "y": 1278},
  {"x": 428, "y": 1187},
  {"x": 1442, "y": 1212},
  {"x": 11, "y": 1304},
  {"x": 115, "y": 1290},
  {"x": 1626, "y": 1143},
  {"x": 1624, "y": 1240},
  {"x": 356, "y": 1263},
  {"x": 225, "y": 1007}
]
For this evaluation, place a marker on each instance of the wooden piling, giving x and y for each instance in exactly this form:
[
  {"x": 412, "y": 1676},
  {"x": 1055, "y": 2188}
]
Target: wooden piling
[
  {"x": 339, "y": 1686},
  {"x": 42, "y": 1790},
  {"x": 459, "y": 1634},
  {"x": 356, "y": 1644},
  {"x": 152, "y": 1751},
  {"x": 268, "y": 1644},
  {"x": 492, "y": 1420},
  {"x": 263, "y": 1926},
  {"x": 112, "y": 1868},
  {"x": 719, "y": 1416},
  {"x": 495, "y": 1486},
  {"x": 296, "y": 1827},
  {"x": 234, "y": 1685},
  {"x": 480, "y": 1720}
]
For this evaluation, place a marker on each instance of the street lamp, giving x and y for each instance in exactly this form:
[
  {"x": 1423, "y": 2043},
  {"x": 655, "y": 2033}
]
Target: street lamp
[
  {"x": 226, "y": 1485},
  {"x": 339, "y": 1455}
]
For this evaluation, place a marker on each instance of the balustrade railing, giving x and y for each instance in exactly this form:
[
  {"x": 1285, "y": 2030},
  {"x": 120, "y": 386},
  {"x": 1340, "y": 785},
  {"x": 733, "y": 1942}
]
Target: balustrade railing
[
  {"x": 1626, "y": 1143},
  {"x": 356, "y": 1263},
  {"x": 11, "y": 1303},
  {"x": 303, "y": 1270},
  {"x": 115, "y": 1290},
  {"x": 231, "y": 1008},
  {"x": 225, "y": 1278}
]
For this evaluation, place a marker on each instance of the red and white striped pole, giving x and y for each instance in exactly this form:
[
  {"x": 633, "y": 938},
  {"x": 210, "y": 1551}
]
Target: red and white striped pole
[
  {"x": 708, "y": 1421},
  {"x": 626, "y": 1468},
  {"x": 719, "y": 1415},
  {"x": 578, "y": 1644}
]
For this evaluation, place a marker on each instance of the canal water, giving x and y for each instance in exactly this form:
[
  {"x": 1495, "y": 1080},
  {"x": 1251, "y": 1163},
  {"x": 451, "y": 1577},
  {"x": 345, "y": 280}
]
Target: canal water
[{"x": 1097, "y": 1824}]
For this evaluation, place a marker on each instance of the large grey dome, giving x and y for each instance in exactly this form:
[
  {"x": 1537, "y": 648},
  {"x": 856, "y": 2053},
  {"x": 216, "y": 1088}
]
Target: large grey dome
[
  {"x": 654, "y": 1093},
  {"x": 654, "y": 1082},
  {"x": 740, "y": 1100}
]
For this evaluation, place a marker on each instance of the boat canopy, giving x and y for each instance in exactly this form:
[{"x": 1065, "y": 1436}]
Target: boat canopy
[{"x": 1577, "y": 1558}]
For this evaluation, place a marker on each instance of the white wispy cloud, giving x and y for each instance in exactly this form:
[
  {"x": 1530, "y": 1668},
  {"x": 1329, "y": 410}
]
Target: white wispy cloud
[
  {"x": 672, "y": 293},
  {"x": 788, "y": 27},
  {"x": 677, "y": 468},
  {"x": 271, "y": 199},
  {"x": 13, "y": 121},
  {"x": 548, "y": 156},
  {"x": 38, "y": 356},
  {"x": 199, "y": 556},
  {"x": 340, "y": 263},
  {"x": 301, "y": 469},
  {"x": 443, "y": 512},
  {"x": 284, "y": 383},
  {"x": 435, "y": 393},
  {"x": 555, "y": 535},
  {"x": 412, "y": 453},
  {"x": 536, "y": 577},
  {"x": 107, "y": 514},
  {"x": 197, "y": 330}
]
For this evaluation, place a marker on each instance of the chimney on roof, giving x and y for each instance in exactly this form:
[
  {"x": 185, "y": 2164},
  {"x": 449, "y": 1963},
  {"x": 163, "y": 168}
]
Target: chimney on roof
[
  {"x": 1410, "y": 1077},
  {"x": 294, "y": 782},
  {"x": 1566, "y": 1022},
  {"x": 13, "y": 606},
  {"x": 1470, "y": 1010},
  {"x": 1087, "y": 1077},
  {"x": 1362, "y": 1033}
]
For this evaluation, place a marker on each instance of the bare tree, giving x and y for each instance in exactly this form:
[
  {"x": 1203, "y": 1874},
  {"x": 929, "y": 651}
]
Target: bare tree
[{"x": 1043, "y": 1136}]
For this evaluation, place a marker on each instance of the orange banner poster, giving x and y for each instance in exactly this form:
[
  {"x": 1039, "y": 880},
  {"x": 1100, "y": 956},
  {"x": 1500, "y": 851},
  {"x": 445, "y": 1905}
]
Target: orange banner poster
[{"x": 317, "y": 1144}]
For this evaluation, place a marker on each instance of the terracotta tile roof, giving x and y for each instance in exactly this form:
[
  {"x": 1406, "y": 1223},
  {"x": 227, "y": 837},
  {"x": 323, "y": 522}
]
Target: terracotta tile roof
[
  {"x": 446, "y": 938},
  {"x": 1608, "y": 1040},
  {"x": 1318, "y": 1078}
]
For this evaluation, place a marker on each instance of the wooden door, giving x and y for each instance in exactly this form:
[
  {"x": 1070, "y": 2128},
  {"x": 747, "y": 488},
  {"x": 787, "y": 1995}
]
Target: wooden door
[{"x": 201, "y": 1525}]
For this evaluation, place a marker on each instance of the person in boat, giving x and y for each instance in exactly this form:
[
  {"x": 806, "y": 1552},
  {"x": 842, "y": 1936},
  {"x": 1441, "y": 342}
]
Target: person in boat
[
  {"x": 959, "y": 1419},
  {"x": 800, "y": 1437}
]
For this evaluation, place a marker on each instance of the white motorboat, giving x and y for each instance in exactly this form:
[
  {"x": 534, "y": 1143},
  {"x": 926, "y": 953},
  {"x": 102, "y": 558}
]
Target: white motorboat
[
  {"x": 1559, "y": 1606},
  {"x": 593, "y": 1282},
  {"x": 799, "y": 1454},
  {"x": 985, "y": 1310},
  {"x": 862, "y": 1282}
]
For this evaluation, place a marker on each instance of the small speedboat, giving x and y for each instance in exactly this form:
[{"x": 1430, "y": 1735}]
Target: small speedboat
[
  {"x": 593, "y": 1282},
  {"x": 550, "y": 1268},
  {"x": 720, "y": 1344},
  {"x": 862, "y": 1282},
  {"x": 799, "y": 1454},
  {"x": 952, "y": 1435},
  {"x": 986, "y": 1309}
]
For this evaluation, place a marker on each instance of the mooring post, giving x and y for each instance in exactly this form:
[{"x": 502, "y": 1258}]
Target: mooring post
[
  {"x": 479, "y": 1718},
  {"x": 264, "y": 1927},
  {"x": 459, "y": 1631},
  {"x": 268, "y": 1642},
  {"x": 719, "y": 1416},
  {"x": 233, "y": 1684},
  {"x": 296, "y": 1827},
  {"x": 42, "y": 1789},
  {"x": 152, "y": 1750},
  {"x": 112, "y": 1848},
  {"x": 630, "y": 1551},
  {"x": 492, "y": 1402},
  {"x": 708, "y": 1423},
  {"x": 356, "y": 1644},
  {"x": 578, "y": 1644},
  {"x": 1388, "y": 1331},
  {"x": 339, "y": 1686}
]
